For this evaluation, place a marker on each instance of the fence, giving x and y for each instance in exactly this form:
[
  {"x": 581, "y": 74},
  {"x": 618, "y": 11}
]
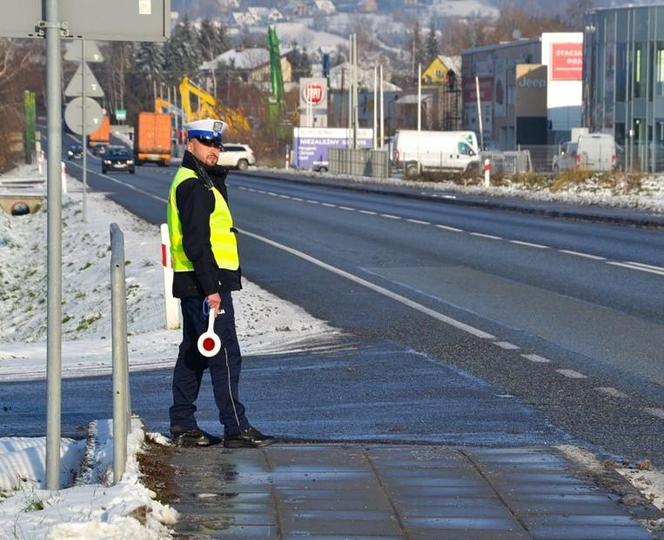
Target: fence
[
  {"x": 360, "y": 162},
  {"x": 121, "y": 395},
  {"x": 509, "y": 162}
]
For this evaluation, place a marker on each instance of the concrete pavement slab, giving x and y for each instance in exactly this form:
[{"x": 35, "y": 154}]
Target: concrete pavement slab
[{"x": 373, "y": 491}]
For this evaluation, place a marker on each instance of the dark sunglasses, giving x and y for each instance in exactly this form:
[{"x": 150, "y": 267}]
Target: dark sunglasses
[{"x": 209, "y": 142}]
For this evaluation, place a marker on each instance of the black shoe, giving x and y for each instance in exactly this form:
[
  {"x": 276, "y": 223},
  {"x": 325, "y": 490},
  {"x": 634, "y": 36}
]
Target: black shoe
[
  {"x": 249, "y": 438},
  {"x": 195, "y": 437}
]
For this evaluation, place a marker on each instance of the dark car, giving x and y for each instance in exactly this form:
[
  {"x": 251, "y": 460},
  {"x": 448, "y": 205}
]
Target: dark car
[
  {"x": 117, "y": 158},
  {"x": 75, "y": 151}
]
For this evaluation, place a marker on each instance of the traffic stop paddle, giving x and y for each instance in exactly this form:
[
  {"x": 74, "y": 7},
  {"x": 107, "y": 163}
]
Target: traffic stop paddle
[{"x": 208, "y": 342}]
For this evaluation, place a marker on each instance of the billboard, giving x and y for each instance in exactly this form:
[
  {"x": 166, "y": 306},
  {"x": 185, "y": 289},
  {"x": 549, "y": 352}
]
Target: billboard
[
  {"x": 470, "y": 92},
  {"x": 311, "y": 145},
  {"x": 566, "y": 61}
]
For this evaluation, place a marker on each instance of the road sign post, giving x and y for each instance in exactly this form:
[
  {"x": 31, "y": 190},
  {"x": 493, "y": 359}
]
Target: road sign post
[{"x": 120, "y": 20}]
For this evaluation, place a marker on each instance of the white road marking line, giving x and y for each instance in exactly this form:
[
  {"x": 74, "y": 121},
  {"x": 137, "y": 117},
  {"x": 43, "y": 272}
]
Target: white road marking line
[
  {"x": 506, "y": 345},
  {"x": 489, "y": 236},
  {"x": 377, "y": 288},
  {"x": 390, "y": 216},
  {"x": 659, "y": 413},
  {"x": 536, "y": 358},
  {"x": 529, "y": 244},
  {"x": 311, "y": 201},
  {"x": 368, "y": 212},
  {"x": 329, "y": 205},
  {"x": 298, "y": 199},
  {"x": 610, "y": 391},
  {"x": 644, "y": 265},
  {"x": 448, "y": 228},
  {"x": 284, "y": 196},
  {"x": 505, "y": 396},
  {"x": 347, "y": 208},
  {"x": 579, "y": 254},
  {"x": 130, "y": 186},
  {"x": 633, "y": 267},
  {"x": 418, "y": 221},
  {"x": 571, "y": 374},
  {"x": 272, "y": 193}
]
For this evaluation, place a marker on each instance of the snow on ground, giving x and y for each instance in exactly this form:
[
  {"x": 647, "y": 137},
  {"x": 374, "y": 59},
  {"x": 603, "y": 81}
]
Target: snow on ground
[{"x": 93, "y": 508}]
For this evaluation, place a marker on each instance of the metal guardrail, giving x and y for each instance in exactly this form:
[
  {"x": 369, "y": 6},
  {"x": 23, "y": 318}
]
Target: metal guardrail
[
  {"x": 359, "y": 162},
  {"x": 121, "y": 394}
]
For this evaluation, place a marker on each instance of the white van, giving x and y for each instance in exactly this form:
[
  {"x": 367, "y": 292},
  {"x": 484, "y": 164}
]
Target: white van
[
  {"x": 593, "y": 152},
  {"x": 442, "y": 150}
]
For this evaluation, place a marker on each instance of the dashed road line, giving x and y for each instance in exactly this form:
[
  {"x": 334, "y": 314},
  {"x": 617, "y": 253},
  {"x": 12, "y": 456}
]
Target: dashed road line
[
  {"x": 311, "y": 201},
  {"x": 506, "y": 345},
  {"x": 448, "y": 228},
  {"x": 271, "y": 193},
  {"x": 611, "y": 391},
  {"x": 418, "y": 221},
  {"x": 489, "y": 236},
  {"x": 585, "y": 255},
  {"x": 536, "y": 358},
  {"x": 368, "y": 212},
  {"x": 348, "y": 208},
  {"x": 390, "y": 216},
  {"x": 329, "y": 205},
  {"x": 571, "y": 374},
  {"x": 529, "y": 244}
]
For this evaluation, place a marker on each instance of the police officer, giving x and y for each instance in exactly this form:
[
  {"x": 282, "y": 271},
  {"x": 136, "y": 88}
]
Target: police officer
[{"x": 206, "y": 269}]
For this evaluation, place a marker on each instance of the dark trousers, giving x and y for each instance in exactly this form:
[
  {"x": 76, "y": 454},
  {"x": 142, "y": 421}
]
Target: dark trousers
[{"x": 224, "y": 368}]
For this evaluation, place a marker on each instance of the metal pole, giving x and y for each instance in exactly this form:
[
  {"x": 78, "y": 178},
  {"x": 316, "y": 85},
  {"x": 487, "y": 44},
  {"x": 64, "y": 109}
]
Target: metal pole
[
  {"x": 479, "y": 112},
  {"x": 355, "y": 96},
  {"x": 382, "y": 109},
  {"x": 54, "y": 245},
  {"x": 85, "y": 133},
  {"x": 419, "y": 114},
  {"x": 119, "y": 348},
  {"x": 375, "y": 109}
]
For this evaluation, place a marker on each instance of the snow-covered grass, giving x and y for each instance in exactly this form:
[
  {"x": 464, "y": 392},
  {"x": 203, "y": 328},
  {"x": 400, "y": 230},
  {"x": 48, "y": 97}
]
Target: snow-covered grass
[
  {"x": 643, "y": 192},
  {"x": 90, "y": 507}
]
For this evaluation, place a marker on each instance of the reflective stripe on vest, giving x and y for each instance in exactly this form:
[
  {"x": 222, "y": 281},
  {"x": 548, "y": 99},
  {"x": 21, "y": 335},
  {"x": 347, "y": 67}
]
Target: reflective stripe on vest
[{"x": 222, "y": 237}]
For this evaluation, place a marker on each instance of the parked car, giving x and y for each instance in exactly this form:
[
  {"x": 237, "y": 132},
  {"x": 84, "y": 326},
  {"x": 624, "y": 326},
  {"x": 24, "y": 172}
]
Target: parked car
[
  {"x": 593, "y": 152},
  {"x": 236, "y": 156},
  {"x": 117, "y": 158},
  {"x": 75, "y": 151}
]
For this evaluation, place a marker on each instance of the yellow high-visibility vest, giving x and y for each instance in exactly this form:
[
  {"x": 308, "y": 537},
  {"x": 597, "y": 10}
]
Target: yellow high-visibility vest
[{"x": 222, "y": 235}]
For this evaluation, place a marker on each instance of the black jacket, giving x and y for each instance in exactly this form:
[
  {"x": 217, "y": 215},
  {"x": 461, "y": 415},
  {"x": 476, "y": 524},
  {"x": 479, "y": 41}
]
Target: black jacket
[{"x": 195, "y": 202}]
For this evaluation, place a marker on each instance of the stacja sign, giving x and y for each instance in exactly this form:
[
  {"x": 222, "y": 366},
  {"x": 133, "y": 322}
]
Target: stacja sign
[
  {"x": 566, "y": 61},
  {"x": 313, "y": 93}
]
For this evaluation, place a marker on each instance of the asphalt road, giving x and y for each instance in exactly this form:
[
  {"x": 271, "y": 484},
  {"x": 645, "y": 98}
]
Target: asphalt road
[{"x": 560, "y": 318}]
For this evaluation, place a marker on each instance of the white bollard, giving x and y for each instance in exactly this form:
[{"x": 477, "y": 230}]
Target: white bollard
[
  {"x": 171, "y": 303},
  {"x": 63, "y": 176},
  {"x": 487, "y": 172}
]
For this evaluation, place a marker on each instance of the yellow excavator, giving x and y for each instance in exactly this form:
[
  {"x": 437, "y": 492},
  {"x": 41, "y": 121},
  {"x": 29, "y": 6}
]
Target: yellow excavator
[{"x": 207, "y": 106}]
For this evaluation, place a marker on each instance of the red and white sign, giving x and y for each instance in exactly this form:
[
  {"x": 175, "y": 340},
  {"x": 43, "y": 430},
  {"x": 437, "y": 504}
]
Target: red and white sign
[
  {"x": 566, "y": 61},
  {"x": 313, "y": 93},
  {"x": 470, "y": 90}
]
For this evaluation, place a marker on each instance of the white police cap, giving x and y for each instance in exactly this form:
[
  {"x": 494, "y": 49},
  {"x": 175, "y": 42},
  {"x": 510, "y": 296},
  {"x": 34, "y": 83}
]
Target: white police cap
[{"x": 207, "y": 128}]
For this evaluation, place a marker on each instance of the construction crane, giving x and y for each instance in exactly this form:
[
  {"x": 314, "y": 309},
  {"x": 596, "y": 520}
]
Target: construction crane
[{"x": 208, "y": 106}]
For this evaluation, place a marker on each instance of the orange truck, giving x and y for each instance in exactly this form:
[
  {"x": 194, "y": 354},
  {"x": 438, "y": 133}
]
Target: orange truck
[
  {"x": 101, "y": 137},
  {"x": 153, "y": 138}
]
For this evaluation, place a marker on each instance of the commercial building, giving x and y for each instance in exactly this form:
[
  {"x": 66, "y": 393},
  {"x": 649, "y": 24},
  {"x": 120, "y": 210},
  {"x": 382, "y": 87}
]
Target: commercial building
[
  {"x": 623, "y": 56},
  {"x": 529, "y": 90}
]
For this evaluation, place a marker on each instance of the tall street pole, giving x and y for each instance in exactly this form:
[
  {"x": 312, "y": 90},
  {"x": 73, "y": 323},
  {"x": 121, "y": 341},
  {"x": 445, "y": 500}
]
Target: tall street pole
[
  {"x": 54, "y": 245},
  {"x": 85, "y": 133},
  {"x": 419, "y": 114},
  {"x": 375, "y": 109},
  {"x": 382, "y": 109}
]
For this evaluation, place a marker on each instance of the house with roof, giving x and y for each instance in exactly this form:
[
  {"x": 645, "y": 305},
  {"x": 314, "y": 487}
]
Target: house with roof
[{"x": 438, "y": 70}]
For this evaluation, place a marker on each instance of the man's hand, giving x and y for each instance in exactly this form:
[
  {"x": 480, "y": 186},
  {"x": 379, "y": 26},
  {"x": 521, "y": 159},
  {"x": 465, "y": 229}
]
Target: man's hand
[{"x": 214, "y": 302}]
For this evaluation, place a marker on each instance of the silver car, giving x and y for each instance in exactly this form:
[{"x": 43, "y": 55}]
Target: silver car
[{"x": 236, "y": 156}]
